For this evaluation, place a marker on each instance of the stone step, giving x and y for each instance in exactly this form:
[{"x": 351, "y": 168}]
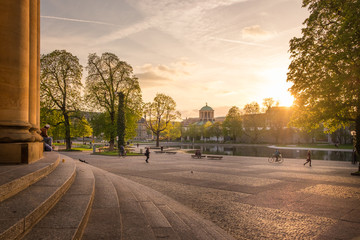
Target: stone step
[
  {"x": 19, "y": 213},
  {"x": 104, "y": 221},
  {"x": 184, "y": 222},
  {"x": 134, "y": 224},
  {"x": 68, "y": 218},
  {"x": 15, "y": 178}
]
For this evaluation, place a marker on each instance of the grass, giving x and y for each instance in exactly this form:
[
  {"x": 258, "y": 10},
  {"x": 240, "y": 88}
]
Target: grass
[{"x": 82, "y": 149}]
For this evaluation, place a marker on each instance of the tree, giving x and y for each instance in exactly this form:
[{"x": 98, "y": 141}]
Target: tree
[
  {"x": 173, "y": 131},
  {"x": 252, "y": 108},
  {"x": 107, "y": 76},
  {"x": 252, "y": 121},
  {"x": 232, "y": 125},
  {"x": 216, "y": 130},
  {"x": 325, "y": 67},
  {"x": 159, "y": 114},
  {"x": 81, "y": 128},
  {"x": 193, "y": 131},
  {"x": 60, "y": 85},
  {"x": 268, "y": 103},
  {"x": 121, "y": 121}
]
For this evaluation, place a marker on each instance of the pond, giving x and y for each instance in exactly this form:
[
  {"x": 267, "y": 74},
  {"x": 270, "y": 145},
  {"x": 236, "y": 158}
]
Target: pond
[{"x": 264, "y": 151}]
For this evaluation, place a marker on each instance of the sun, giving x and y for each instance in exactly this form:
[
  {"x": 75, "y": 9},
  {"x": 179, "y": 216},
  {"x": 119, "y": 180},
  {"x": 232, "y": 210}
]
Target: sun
[{"x": 276, "y": 87}]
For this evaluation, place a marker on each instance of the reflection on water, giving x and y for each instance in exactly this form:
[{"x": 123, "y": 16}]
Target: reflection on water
[{"x": 263, "y": 151}]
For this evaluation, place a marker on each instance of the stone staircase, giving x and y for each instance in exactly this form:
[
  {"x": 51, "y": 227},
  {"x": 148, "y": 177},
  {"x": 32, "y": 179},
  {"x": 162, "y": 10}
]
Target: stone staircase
[{"x": 61, "y": 198}]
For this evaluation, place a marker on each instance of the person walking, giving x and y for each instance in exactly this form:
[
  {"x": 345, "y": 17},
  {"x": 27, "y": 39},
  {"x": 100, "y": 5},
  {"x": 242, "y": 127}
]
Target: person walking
[
  {"x": 308, "y": 158},
  {"x": 147, "y": 154}
]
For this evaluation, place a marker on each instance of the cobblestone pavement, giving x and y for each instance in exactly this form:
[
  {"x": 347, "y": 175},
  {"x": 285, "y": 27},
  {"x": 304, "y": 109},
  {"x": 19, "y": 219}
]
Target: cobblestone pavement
[{"x": 251, "y": 198}]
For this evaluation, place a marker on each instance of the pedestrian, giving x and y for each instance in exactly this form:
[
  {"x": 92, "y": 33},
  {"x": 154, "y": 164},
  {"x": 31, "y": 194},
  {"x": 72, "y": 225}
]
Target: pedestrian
[
  {"x": 147, "y": 154},
  {"x": 122, "y": 151},
  {"x": 308, "y": 158}
]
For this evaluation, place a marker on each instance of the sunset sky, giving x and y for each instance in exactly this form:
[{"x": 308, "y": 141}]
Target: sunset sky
[{"x": 221, "y": 52}]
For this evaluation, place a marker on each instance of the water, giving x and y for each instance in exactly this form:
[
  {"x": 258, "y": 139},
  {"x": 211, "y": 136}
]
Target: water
[{"x": 263, "y": 151}]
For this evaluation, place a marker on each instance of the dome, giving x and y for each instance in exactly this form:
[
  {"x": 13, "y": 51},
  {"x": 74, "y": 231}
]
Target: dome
[{"x": 206, "y": 108}]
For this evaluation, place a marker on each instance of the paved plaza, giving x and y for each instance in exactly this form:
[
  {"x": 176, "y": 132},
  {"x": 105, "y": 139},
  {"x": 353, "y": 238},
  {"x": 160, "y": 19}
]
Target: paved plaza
[{"x": 250, "y": 198}]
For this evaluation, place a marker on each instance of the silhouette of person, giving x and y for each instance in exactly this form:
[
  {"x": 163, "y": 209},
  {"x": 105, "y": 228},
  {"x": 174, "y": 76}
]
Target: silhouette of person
[
  {"x": 147, "y": 154},
  {"x": 308, "y": 158}
]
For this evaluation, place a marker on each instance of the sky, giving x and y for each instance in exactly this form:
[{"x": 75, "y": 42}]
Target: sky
[{"x": 222, "y": 53}]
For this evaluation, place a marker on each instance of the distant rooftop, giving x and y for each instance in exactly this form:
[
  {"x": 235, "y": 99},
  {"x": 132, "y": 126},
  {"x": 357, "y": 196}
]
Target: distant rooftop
[{"x": 206, "y": 108}]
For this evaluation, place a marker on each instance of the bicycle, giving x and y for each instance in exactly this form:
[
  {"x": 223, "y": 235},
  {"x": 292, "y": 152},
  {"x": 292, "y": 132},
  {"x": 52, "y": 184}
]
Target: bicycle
[{"x": 272, "y": 159}]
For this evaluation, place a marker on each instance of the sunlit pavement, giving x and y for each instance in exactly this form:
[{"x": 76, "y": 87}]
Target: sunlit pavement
[{"x": 249, "y": 197}]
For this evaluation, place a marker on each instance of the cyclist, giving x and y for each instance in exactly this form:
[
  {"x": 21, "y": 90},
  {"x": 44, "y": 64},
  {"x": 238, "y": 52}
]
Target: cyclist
[{"x": 277, "y": 155}]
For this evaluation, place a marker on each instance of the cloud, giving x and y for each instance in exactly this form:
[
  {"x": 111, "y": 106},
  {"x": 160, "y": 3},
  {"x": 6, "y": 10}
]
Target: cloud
[
  {"x": 256, "y": 33},
  {"x": 172, "y": 17},
  {"x": 77, "y": 20},
  {"x": 239, "y": 42},
  {"x": 151, "y": 76}
]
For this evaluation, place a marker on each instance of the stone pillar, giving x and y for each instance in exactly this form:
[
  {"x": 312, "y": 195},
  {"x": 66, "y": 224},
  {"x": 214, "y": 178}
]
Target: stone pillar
[
  {"x": 34, "y": 70},
  {"x": 17, "y": 144}
]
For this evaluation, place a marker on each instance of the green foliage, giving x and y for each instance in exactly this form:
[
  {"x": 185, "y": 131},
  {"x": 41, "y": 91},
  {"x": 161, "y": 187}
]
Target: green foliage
[
  {"x": 159, "y": 114},
  {"x": 81, "y": 128},
  {"x": 232, "y": 126},
  {"x": 172, "y": 131},
  {"x": 121, "y": 120},
  {"x": 101, "y": 125},
  {"x": 325, "y": 65},
  {"x": 216, "y": 129},
  {"x": 107, "y": 76},
  {"x": 60, "y": 86}
]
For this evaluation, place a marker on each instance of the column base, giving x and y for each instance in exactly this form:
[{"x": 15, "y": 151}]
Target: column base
[{"x": 15, "y": 153}]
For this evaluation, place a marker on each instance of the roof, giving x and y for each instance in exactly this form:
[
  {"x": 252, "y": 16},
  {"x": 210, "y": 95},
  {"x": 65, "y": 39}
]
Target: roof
[{"x": 206, "y": 108}]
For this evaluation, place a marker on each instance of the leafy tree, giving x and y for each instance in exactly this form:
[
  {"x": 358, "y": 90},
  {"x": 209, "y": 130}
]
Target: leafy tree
[
  {"x": 216, "y": 130},
  {"x": 107, "y": 76},
  {"x": 325, "y": 67},
  {"x": 252, "y": 121},
  {"x": 232, "y": 125},
  {"x": 55, "y": 119},
  {"x": 173, "y": 131},
  {"x": 100, "y": 123},
  {"x": 159, "y": 114},
  {"x": 121, "y": 121},
  {"x": 194, "y": 131},
  {"x": 252, "y": 108},
  {"x": 60, "y": 85},
  {"x": 268, "y": 103},
  {"x": 81, "y": 128},
  {"x": 205, "y": 130},
  {"x": 277, "y": 119}
]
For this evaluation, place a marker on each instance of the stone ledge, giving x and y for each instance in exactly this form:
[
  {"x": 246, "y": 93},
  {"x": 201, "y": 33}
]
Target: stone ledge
[{"x": 15, "y": 153}]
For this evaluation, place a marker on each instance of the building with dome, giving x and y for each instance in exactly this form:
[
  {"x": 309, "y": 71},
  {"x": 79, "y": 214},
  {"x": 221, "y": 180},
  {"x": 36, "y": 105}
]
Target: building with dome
[{"x": 206, "y": 114}]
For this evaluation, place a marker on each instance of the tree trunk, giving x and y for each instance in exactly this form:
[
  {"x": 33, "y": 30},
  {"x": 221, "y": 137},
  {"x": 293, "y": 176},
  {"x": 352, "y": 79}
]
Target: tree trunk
[
  {"x": 357, "y": 137},
  {"x": 157, "y": 139},
  {"x": 67, "y": 131},
  {"x": 113, "y": 131},
  {"x": 121, "y": 121}
]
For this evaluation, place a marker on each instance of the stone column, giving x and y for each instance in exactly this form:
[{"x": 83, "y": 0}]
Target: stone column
[
  {"x": 34, "y": 83},
  {"x": 17, "y": 144}
]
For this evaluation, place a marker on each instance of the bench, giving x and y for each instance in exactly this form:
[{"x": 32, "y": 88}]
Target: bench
[
  {"x": 195, "y": 156},
  {"x": 170, "y": 152},
  {"x": 214, "y": 157}
]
